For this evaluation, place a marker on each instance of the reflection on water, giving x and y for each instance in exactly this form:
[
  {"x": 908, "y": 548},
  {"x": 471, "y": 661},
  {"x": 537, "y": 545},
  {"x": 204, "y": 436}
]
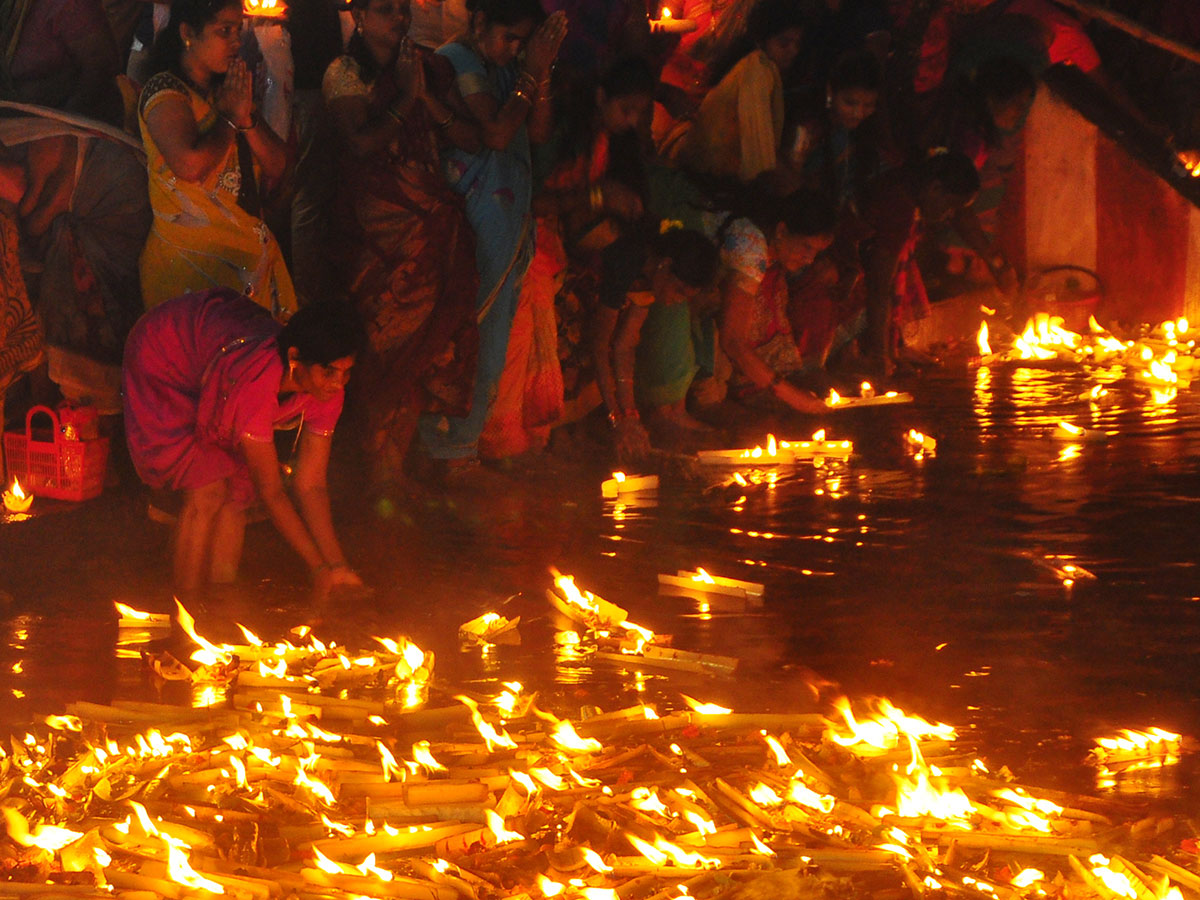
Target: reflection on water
[{"x": 950, "y": 583}]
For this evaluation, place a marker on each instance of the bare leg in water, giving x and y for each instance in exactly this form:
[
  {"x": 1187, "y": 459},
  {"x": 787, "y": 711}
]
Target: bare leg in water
[
  {"x": 194, "y": 534},
  {"x": 229, "y": 533}
]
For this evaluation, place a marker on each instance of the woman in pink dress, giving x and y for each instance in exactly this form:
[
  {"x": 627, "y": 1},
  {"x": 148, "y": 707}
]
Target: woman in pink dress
[{"x": 208, "y": 378}]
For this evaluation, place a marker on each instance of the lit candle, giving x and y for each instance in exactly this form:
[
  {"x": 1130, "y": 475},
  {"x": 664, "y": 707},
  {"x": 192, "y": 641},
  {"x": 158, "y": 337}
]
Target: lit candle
[
  {"x": 621, "y": 483},
  {"x": 666, "y": 23}
]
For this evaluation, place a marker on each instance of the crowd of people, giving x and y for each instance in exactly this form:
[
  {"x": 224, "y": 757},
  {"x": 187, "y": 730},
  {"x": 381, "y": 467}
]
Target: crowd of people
[{"x": 538, "y": 216}]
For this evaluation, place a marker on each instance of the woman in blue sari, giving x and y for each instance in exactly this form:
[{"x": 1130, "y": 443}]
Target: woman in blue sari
[{"x": 509, "y": 101}]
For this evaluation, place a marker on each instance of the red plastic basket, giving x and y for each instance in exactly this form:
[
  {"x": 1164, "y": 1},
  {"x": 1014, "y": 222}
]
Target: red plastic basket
[{"x": 56, "y": 468}]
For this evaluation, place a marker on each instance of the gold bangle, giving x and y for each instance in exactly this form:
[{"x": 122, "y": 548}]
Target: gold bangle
[{"x": 519, "y": 94}]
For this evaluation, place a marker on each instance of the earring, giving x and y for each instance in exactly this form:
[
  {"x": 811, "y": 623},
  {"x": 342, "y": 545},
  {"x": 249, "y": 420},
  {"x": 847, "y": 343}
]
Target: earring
[
  {"x": 829, "y": 101},
  {"x": 187, "y": 45},
  {"x": 358, "y": 28}
]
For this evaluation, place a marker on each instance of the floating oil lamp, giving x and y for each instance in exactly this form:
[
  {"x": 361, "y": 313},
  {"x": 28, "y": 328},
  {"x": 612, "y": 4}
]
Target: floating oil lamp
[
  {"x": 778, "y": 453},
  {"x": 919, "y": 442},
  {"x": 620, "y": 483},
  {"x": 136, "y": 618},
  {"x": 1066, "y": 431},
  {"x": 1137, "y": 750},
  {"x": 837, "y": 401},
  {"x": 490, "y": 628},
  {"x": 699, "y": 583},
  {"x": 15, "y": 498}
]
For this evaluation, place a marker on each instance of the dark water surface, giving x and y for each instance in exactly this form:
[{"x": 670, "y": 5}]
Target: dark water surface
[{"x": 935, "y": 582}]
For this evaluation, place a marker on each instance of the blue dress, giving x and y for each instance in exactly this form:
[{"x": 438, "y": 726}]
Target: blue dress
[{"x": 497, "y": 186}]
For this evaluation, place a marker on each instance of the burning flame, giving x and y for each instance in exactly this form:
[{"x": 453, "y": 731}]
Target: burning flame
[
  {"x": 663, "y": 852},
  {"x": 209, "y": 653},
  {"x": 806, "y": 796},
  {"x": 128, "y": 612},
  {"x": 666, "y": 14},
  {"x": 647, "y": 800},
  {"x": 981, "y": 340},
  {"x": 314, "y": 786},
  {"x": 550, "y": 779},
  {"x": 710, "y": 709},
  {"x": 781, "y": 757},
  {"x": 764, "y": 795},
  {"x": 1140, "y": 740},
  {"x": 1043, "y": 337},
  {"x": 565, "y": 736},
  {"x": 1117, "y": 882},
  {"x": 268, "y": 9},
  {"x": 759, "y": 847},
  {"x": 392, "y": 770},
  {"x": 918, "y": 796},
  {"x": 423, "y": 756},
  {"x": 884, "y": 731},
  {"x": 1026, "y": 877},
  {"x": 45, "y": 837},
  {"x": 495, "y": 823},
  {"x": 16, "y": 500},
  {"x": 1161, "y": 373},
  {"x": 64, "y": 723},
  {"x": 493, "y": 737},
  {"x": 593, "y": 859}
]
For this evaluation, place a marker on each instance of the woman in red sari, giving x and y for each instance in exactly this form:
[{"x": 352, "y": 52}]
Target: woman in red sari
[{"x": 406, "y": 251}]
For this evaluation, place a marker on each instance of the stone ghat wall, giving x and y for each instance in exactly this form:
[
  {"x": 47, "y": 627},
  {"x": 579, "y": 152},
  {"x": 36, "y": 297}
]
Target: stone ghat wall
[{"x": 1103, "y": 197}]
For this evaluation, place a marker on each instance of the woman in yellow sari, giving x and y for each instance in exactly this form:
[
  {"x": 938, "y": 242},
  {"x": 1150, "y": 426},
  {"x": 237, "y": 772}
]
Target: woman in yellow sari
[{"x": 206, "y": 149}]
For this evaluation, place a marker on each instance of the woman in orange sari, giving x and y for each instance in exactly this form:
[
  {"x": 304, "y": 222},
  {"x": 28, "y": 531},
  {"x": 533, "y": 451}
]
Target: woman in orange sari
[
  {"x": 405, "y": 248},
  {"x": 594, "y": 191}
]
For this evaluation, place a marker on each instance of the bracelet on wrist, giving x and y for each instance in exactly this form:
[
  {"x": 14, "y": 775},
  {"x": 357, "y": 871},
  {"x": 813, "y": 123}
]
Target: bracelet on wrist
[
  {"x": 240, "y": 128},
  {"x": 446, "y": 122},
  {"x": 519, "y": 94}
]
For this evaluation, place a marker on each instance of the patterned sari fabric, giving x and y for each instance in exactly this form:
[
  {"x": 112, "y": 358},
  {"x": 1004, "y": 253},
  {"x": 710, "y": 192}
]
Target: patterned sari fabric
[
  {"x": 20, "y": 334},
  {"x": 407, "y": 256},
  {"x": 209, "y": 233}
]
